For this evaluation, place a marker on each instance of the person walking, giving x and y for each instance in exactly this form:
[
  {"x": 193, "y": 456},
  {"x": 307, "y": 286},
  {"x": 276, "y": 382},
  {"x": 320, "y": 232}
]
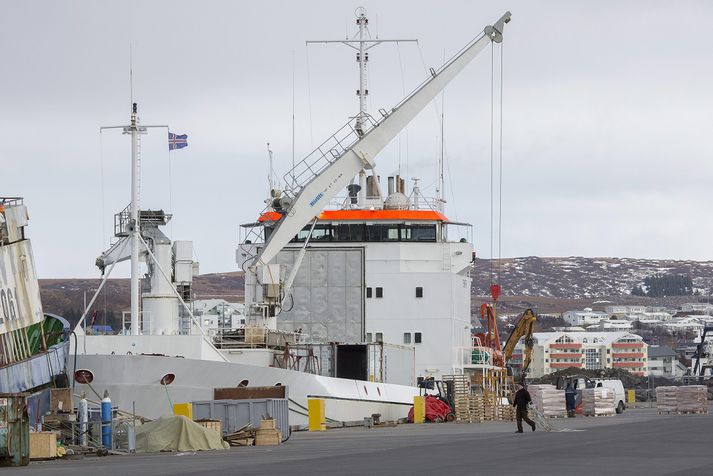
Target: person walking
[
  {"x": 522, "y": 398},
  {"x": 570, "y": 396}
]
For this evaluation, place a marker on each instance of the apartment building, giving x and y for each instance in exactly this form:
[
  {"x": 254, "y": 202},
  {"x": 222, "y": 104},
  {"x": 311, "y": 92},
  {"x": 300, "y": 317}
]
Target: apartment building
[{"x": 588, "y": 350}]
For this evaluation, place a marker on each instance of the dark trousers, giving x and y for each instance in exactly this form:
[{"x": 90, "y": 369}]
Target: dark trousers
[{"x": 521, "y": 414}]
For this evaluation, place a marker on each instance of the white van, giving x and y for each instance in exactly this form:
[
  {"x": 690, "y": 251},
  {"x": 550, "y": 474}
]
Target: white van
[{"x": 619, "y": 395}]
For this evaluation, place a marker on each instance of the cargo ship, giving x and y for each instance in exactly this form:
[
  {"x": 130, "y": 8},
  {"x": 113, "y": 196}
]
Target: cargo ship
[{"x": 354, "y": 291}]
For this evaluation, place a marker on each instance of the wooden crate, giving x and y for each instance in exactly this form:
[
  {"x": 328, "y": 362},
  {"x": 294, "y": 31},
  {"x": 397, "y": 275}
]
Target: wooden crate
[
  {"x": 267, "y": 438},
  {"x": 61, "y": 400},
  {"x": 43, "y": 445},
  {"x": 267, "y": 424}
]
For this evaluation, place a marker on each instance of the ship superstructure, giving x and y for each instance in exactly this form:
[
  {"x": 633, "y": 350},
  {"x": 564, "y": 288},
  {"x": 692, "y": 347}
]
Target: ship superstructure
[{"x": 350, "y": 303}]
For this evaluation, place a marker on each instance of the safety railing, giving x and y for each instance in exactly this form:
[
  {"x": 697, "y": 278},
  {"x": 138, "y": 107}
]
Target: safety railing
[{"x": 325, "y": 154}]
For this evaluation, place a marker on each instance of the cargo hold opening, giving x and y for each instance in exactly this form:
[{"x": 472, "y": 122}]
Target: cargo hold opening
[{"x": 352, "y": 362}]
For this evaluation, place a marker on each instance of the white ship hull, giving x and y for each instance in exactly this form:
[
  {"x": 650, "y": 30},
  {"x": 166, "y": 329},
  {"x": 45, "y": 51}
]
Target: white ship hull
[{"x": 134, "y": 381}]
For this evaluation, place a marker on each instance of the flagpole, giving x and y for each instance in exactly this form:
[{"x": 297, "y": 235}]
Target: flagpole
[{"x": 170, "y": 186}]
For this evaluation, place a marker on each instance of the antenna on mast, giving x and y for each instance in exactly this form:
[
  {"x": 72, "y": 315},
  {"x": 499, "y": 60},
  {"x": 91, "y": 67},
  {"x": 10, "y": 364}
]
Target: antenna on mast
[
  {"x": 271, "y": 171},
  {"x": 131, "y": 77},
  {"x": 362, "y": 44}
]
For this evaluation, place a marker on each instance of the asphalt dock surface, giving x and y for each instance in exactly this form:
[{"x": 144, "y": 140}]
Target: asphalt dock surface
[{"x": 638, "y": 442}]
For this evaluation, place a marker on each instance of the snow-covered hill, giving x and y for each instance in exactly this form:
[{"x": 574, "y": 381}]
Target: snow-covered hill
[{"x": 582, "y": 278}]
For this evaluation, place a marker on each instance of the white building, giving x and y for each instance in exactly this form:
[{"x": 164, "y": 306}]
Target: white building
[
  {"x": 684, "y": 324},
  {"x": 649, "y": 316},
  {"x": 589, "y": 350},
  {"x": 705, "y": 308},
  {"x": 584, "y": 317},
  {"x": 612, "y": 325},
  {"x": 618, "y": 310},
  {"x": 663, "y": 362}
]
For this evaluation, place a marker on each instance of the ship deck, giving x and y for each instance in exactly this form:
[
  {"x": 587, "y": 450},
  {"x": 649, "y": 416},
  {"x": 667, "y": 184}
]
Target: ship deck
[{"x": 638, "y": 442}]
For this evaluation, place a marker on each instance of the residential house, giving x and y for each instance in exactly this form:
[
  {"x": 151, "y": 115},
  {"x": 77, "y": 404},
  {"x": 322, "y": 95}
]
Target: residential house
[
  {"x": 663, "y": 362},
  {"x": 585, "y": 317}
]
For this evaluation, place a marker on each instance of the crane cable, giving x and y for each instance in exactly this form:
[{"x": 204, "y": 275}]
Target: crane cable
[
  {"x": 493, "y": 273},
  {"x": 500, "y": 174}
]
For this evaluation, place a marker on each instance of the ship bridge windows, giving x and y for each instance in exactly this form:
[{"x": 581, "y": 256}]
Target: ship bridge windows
[
  {"x": 320, "y": 233},
  {"x": 349, "y": 232},
  {"x": 370, "y": 232},
  {"x": 418, "y": 233}
]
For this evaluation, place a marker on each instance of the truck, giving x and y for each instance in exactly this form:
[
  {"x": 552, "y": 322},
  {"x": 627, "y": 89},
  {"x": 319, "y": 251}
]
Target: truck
[{"x": 580, "y": 382}]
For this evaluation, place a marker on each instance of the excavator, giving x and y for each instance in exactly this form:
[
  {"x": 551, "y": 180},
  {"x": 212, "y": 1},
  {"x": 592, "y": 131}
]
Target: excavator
[{"x": 523, "y": 328}]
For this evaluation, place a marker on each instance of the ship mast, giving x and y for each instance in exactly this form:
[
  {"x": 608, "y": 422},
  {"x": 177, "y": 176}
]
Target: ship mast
[
  {"x": 362, "y": 44},
  {"x": 134, "y": 130}
]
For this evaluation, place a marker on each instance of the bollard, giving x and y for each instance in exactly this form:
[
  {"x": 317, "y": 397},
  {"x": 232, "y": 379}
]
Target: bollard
[
  {"x": 419, "y": 409},
  {"x": 630, "y": 396},
  {"x": 315, "y": 410},
  {"x": 185, "y": 409}
]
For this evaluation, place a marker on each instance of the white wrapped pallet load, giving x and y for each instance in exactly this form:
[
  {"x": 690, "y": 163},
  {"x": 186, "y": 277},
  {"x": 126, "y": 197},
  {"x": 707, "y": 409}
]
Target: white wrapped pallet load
[
  {"x": 548, "y": 400},
  {"x": 692, "y": 398},
  {"x": 598, "y": 401},
  {"x": 666, "y": 399}
]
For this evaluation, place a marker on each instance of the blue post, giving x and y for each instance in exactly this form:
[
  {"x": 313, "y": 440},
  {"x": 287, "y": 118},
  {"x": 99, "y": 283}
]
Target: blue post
[{"x": 106, "y": 418}]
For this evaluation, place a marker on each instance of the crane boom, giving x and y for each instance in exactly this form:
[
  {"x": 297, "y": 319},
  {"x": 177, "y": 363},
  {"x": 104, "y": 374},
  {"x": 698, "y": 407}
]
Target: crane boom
[
  {"x": 323, "y": 186},
  {"x": 523, "y": 328}
]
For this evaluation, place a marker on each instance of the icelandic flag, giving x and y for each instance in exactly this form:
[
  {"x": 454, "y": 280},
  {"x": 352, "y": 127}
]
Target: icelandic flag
[{"x": 176, "y": 141}]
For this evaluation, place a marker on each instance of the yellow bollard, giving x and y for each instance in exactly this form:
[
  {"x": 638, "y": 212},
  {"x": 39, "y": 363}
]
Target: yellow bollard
[
  {"x": 316, "y": 417},
  {"x": 630, "y": 396},
  {"x": 185, "y": 409},
  {"x": 419, "y": 409}
]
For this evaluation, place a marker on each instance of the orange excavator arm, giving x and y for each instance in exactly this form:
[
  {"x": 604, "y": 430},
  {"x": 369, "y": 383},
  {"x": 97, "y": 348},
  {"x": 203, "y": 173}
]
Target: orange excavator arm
[{"x": 523, "y": 328}]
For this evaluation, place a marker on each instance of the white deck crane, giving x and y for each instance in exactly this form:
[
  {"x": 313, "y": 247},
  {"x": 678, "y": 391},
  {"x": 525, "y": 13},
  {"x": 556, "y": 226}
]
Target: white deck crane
[{"x": 324, "y": 178}]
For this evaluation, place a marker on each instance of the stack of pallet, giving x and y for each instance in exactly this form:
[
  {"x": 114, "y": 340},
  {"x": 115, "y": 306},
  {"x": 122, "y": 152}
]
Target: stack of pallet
[
  {"x": 505, "y": 413},
  {"x": 598, "y": 401},
  {"x": 548, "y": 400},
  {"x": 489, "y": 404},
  {"x": 667, "y": 399},
  {"x": 469, "y": 409},
  {"x": 691, "y": 399}
]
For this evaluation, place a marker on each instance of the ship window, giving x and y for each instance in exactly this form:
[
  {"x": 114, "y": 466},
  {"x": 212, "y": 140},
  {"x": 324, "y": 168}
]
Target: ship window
[
  {"x": 407, "y": 337},
  {"x": 418, "y": 233},
  {"x": 368, "y": 336},
  {"x": 419, "y": 292},
  {"x": 379, "y": 337},
  {"x": 243, "y": 383},
  {"x": 382, "y": 232},
  {"x": 417, "y": 337},
  {"x": 368, "y": 292},
  {"x": 320, "y": 233},
  {"x": 379, "y": 292},
  {"x": 349, "y": 232}
]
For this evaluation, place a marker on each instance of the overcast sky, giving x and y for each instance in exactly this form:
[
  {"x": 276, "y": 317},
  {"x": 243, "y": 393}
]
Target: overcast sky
[{"x": 607, "y": 113}]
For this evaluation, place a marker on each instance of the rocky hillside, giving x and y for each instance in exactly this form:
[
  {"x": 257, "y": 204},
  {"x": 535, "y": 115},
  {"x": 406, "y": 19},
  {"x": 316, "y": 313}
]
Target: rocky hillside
[
  {"x": 583, "y": 278},
  {"x": 550, "y": 285},
  {"x": 66, "y": 296}
]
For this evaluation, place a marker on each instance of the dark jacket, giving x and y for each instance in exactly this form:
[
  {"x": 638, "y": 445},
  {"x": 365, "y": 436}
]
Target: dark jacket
[{"x": 522, "y": 398}]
